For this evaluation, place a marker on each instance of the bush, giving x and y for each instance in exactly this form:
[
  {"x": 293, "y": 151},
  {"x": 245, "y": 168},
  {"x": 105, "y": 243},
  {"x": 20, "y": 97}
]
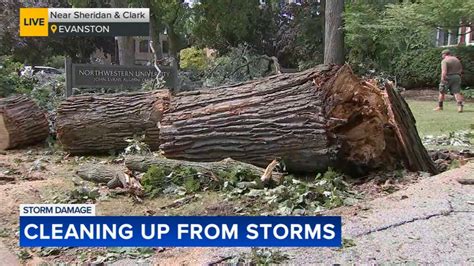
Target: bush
[
  {"x": 10, "y": 80},
  {"x": 56, "y": 61},
  {"x": 193, "y": 58},
  {"x": 422, "y": 68},
  {"x": 48, "y": 91},
  {"x": 468, "y": 92}
]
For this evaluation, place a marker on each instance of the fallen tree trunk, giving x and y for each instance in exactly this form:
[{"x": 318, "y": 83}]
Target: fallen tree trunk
[
  {"x": 100, "y": 123},
  {"x": 22, "y": 123},
  {"x": 319, "y": 118}
]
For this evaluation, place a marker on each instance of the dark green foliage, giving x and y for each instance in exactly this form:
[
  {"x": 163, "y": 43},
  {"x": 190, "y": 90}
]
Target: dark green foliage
[
  {"x": 191, "y": 184},
  {"x": 80, "y": 194},
  {"x": 260, "y": 256},
  {"x": 153, "y": 180},
  {"x": 10, "y": 80},
  {"x": 294, "y": 196},
  {"x": 238, "y": 174},
  {"x": 468, "y": 93},
  {"x": 291, "y": 32},
  {"x": 299, "y": 40},
  {"x": 398, "y": 38},
  {"x": 46, "y": 90},
  {"x": 422, "y": 68},
  {"x": 238, "y": 65},
  {"x": 158, "y": 179},
  {"x": 227, "y": 23}
]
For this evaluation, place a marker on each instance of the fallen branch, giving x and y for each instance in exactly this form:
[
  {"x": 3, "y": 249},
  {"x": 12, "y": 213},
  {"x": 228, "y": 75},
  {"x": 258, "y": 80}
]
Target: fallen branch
[
  {"x": 267, "y": 175},
  {"x": 110, "y": 175},
  {"x": 214, "y": 169},
  {"x": 7, "y": 178},
  {"x": 179, "y": 202},
  {"x": 466, "y": 181},
  {"x": 99, "y": 173}
]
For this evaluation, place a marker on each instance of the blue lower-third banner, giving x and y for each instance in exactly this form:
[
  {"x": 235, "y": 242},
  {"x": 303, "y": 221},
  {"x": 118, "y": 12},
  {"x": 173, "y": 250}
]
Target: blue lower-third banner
[{"x": 180, "y": 231}]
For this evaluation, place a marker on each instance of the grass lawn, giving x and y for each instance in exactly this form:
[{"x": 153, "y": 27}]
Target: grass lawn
[{"x": 430, "y": 122}]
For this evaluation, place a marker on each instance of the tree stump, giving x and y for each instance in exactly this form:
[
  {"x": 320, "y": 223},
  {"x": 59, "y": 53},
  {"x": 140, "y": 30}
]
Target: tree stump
[
  {"x": 91, "y": 124},
  {"x": 22, "y": 123}
]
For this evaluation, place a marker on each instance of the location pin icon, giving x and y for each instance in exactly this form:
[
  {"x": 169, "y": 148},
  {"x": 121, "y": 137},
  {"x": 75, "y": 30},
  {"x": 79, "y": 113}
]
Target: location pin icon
[{"x": 54, "y": 28}]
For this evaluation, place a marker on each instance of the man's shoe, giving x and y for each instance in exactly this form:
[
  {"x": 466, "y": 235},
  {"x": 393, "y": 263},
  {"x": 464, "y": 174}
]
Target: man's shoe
[
  {"x": 460, "y": 109},
  {"x": 438, "y": 109}
]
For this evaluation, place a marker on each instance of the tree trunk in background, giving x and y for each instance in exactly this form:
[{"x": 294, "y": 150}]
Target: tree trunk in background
[
  {"x": 334, "y": 34},
  {"x": 126, "y": 46},
  {"x": 173, "y": 42},
  {"x": 155, "y": 31},
  {"x": 174, "y": 47},
  {"x": 323, "y": 15},
  {"x": 22, "y": 123},
  {"x": 323, "y": 117},
  {"x": 91, "y": 124},
  {"x": 155, "y": 38}
]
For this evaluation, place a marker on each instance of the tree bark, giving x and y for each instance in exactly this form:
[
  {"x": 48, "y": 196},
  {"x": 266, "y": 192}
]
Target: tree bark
[
  {"x": 334, "y": 35},
  {"x": 22, "y": 123},
  {"x": 323, "y": 117},
  {"x": 97, "y": 173},
  {"x": 101, "y": 123}
]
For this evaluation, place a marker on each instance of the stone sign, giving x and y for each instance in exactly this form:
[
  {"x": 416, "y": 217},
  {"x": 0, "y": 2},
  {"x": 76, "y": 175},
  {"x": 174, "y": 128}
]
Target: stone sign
[{"x": 111, "y": 76}]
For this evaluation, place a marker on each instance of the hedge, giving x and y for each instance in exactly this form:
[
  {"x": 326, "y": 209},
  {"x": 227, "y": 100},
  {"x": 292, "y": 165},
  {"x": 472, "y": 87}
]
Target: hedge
[{"x": 422, "y": 68}]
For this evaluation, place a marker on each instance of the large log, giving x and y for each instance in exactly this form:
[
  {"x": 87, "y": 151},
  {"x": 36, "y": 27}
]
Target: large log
[
  {"x": 100, "y": 123},
  {"x": 319, "y": 118},
  {"x": 22, "y": 123}
]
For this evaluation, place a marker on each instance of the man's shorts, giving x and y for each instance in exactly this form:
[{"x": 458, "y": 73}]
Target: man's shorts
[{"x": 453, "y": 84}]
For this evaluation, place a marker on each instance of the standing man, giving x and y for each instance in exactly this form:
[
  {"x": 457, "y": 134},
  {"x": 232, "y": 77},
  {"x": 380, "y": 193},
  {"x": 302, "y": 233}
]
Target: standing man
[{"x": 451, "y": 69}]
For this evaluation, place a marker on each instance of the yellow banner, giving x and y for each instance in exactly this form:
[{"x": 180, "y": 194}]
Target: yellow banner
[{"x": 33, "y": 22}]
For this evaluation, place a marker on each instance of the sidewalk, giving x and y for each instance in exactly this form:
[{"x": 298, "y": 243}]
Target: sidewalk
[
  {"x": 7, "y": 257},
  {"x": 429, "y": 222}
]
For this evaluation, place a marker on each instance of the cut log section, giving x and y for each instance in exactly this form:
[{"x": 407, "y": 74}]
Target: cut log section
[
  {"x": 22, "y": 123},
  {"x": 322, "y": 117},
  {"x": 91, "y": 124}
]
